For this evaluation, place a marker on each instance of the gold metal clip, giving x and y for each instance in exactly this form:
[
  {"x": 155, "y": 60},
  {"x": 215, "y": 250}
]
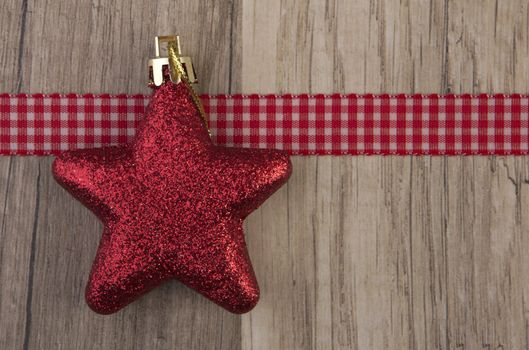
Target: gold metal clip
[{"x": 159, "y": 68}]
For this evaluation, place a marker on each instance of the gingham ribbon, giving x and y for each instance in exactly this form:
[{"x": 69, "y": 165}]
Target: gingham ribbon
[{"x": 302, "y": 124}]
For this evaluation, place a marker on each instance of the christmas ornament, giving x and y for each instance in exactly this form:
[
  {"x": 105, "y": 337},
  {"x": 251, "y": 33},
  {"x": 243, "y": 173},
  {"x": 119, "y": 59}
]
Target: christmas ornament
[{"x": 172, "y": 202}]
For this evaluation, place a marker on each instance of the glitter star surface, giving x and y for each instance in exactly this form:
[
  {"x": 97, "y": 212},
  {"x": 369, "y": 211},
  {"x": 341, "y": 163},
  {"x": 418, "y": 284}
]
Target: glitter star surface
[{"x": 172, "y": 204}]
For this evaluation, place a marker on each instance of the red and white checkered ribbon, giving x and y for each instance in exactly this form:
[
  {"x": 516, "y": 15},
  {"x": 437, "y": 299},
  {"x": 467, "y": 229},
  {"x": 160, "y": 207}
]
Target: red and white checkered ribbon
[{"x": 302, "y": 124}]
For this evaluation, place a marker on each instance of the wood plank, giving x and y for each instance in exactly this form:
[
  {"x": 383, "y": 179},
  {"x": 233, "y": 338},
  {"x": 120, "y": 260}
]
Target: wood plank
[
  {"x": 390, "y": 252},
  {"x": 18, "y": 193},
  {"x": 49, "y": 240},
  {"x": 487, "y": 281},
  {"x": 19, "y": 186},
  {"x": 12, "y": 16}
]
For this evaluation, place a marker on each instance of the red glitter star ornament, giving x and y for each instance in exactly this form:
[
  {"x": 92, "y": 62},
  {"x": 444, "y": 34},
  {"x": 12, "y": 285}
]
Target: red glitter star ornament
[{"x": 172, "y": 204}]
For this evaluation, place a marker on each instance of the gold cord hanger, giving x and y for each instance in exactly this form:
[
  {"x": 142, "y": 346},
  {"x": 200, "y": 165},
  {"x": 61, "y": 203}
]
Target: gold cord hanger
[{"x": 180, "y": 68}]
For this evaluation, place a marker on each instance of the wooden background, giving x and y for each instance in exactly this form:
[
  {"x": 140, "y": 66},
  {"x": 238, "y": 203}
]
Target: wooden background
[{"x": 355, "y": 252}]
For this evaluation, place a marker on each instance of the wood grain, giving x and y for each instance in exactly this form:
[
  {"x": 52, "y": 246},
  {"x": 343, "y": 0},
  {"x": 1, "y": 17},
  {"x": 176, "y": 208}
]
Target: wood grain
[
  {"x": 49, "y": 240},
  {"x": 355, "y": 252},
  {"x": 390, "y": 252}
]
